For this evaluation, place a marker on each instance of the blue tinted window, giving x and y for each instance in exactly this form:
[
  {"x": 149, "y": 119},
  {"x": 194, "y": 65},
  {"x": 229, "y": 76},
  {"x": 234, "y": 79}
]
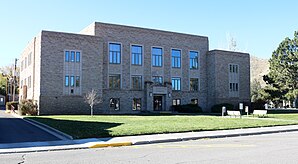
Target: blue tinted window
[
  {"x": 176, "y": 84},
  {"x": 72, "y": 81},
  {"x": 66, "y": 81},
  {"x": 176, "y": 58},
  {"x": 115, "y": 53},
  {"x": 136, "y": 55},
  {"x": 72, "y": 56},
  {"x": 156, "y": 57},
  {"x": 193, "y": 60},
  {"x": 66, "y": 56},
  {"x": 78, "y": 56}
]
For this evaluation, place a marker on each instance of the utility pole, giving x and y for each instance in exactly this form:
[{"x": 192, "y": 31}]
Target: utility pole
[{"x": 14, "y": 79}]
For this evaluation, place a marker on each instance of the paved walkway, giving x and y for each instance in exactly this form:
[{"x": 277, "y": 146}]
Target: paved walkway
[
  {"x": 137, "y": 140},
  {"x": 15, "y": 130}
]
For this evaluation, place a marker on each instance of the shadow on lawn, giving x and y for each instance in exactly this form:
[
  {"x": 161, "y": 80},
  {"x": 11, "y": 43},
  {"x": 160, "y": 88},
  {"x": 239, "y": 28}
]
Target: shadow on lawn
[{"x": 80, "y": 129}]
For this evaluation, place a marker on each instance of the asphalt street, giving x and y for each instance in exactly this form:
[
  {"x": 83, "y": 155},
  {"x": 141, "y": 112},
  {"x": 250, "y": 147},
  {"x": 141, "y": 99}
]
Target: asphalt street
[
  {"x": 13, "y": 130},
  {"x": 270, "y": 148}
]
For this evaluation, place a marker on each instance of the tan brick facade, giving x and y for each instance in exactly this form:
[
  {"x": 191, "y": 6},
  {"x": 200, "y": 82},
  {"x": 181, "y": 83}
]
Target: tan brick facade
[{"x": 48, "y": 70}]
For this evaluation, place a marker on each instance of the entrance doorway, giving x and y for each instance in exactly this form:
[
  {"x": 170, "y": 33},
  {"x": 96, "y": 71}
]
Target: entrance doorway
[{"x": 157, "y": 103}]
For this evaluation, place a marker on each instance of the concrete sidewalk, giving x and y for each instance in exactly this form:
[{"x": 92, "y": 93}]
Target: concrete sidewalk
[{"x": 136, "y": 140}]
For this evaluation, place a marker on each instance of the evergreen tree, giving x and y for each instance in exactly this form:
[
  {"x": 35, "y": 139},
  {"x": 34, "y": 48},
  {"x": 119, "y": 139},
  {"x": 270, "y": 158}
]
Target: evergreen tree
[{"x": 283, "y": 70}]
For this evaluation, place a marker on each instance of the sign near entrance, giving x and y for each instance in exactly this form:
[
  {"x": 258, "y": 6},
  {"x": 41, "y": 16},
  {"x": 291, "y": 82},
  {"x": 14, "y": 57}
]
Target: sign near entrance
[{"x": 159, "y": 90}]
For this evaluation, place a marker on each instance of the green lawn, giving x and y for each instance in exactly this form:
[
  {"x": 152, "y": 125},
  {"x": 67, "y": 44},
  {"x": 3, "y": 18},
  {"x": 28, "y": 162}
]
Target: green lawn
[{"x": 83, "y": 126}]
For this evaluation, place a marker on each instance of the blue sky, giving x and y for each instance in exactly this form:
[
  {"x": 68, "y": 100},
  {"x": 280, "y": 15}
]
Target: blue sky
[{"x": 258, "y": 26}]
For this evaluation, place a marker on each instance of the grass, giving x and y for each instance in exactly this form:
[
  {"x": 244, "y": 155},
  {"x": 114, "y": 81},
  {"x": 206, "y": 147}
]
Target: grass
[{"x": 83, "y": 126}]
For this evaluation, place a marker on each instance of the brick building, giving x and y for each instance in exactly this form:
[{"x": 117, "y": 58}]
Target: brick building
[{"x": 133, "y": 69}]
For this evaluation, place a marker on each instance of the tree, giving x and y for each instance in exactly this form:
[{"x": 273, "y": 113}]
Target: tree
[
  {"x": 257, "y": 93},
  {"x": 283, "y": 70},
  {"x": 92, "y": 98}
]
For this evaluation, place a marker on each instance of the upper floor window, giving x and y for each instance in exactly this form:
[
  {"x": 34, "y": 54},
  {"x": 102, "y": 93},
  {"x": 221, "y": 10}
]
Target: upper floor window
[
  {"x": 72, "y": 56},
  {"x": 193, "y": 60},
  {"x": 66, "y": 54},
  {"x": 78, "y": 56},
  {"x": 115, "y": 53},
  {"x": 29, "y": 58},
  {"x": 157, "y": 79},
  {"x": 194, "y": 84},
  {"x": 25, "y": 62},
  {"x": 67, "y": 81},
  {"x": 77, "y": 81},
  {"x": 156, "y": 57},
  {"x": 233, "y": 87},
  {"x": 22, "y": 65},
  {"x": 136, "y": 82},
  {"x": 233, "y": 68},
  {"x": 136, "y": 55},
  {"x": 29, "y": 82},
  {"x": 72, "y": 81},
  {"x": 176, "y": 84},
  {"x": 114, "y": 81},
  {"x": 176, "y": 58}
]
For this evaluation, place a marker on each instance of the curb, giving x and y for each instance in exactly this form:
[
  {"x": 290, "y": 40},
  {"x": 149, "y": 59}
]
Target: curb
[
  {"x": 116, "y": 144},
  {"x": 212, "y": 136}
]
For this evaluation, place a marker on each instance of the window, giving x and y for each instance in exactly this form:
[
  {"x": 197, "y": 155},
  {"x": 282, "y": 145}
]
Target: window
[
  {"x": 114, "y": 81},
  {"x": 176, "y": 84},
  {"x": 115, "y": 53},
  {"x": 77, "y": 81},
  {"x": 136, "y": 55},
  {"x": 72, "y": 56},
  {"x": 115, "y": 103},
  {"x": 156, "y": 57},
  {"x": 193, "y": 60},
  {"x": 22, "y": 65},
  {"x": 72, "y": 81},
  {"x": 136, "y": 104},
  {"x": 157, "y": 79},
  {"x": 67, "y": 81},
  {"x": 29, "y": 58},
  {"x": 25, "y": 62},
  {"x": 176, "y": 58},
  {"x": 194, "y": 84},
  {"x": 29, "y": 82},
  {"x": 21, "y": 83},
  {"x": 66, "y": 56},
  {"x": 136, "y": 82},
  {"x": 233, "y": 87},
  {"x": 78, "y": 56},
  {"x": 233, "y": 68},
  {"x": 233, "y": 80},
  {"x": 194, "y": 101},
  {"x": 176, "y": 102}
]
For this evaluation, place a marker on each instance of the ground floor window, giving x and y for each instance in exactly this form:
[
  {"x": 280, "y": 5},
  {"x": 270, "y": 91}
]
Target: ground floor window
[
  {"x": 194, "y": 101},
  {"x": 176, "y": 102},
  {"x": 136, "y": 104},
  {"x": 115, "y": 103}
]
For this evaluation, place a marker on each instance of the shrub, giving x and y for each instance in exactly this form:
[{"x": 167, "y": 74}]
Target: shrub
[
  {"x": 218, "y": 107},
  {"x": 188, "y": 108},
  {"x": 12, "y": 103},
  {"x": 259, "y": 104},
  {"x": 28, "y": 107}
]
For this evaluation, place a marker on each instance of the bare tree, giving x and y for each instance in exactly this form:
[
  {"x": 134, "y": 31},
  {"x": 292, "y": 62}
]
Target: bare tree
[{"x": 92, "y": 98}]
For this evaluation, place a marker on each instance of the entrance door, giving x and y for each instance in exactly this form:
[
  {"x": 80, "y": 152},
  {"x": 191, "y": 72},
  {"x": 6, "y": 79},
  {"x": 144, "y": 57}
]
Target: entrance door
[{"x": 157, "y": 103}]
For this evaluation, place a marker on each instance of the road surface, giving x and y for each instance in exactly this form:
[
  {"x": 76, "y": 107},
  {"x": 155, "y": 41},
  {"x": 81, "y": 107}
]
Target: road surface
[{"x": 270, "y": 148}]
